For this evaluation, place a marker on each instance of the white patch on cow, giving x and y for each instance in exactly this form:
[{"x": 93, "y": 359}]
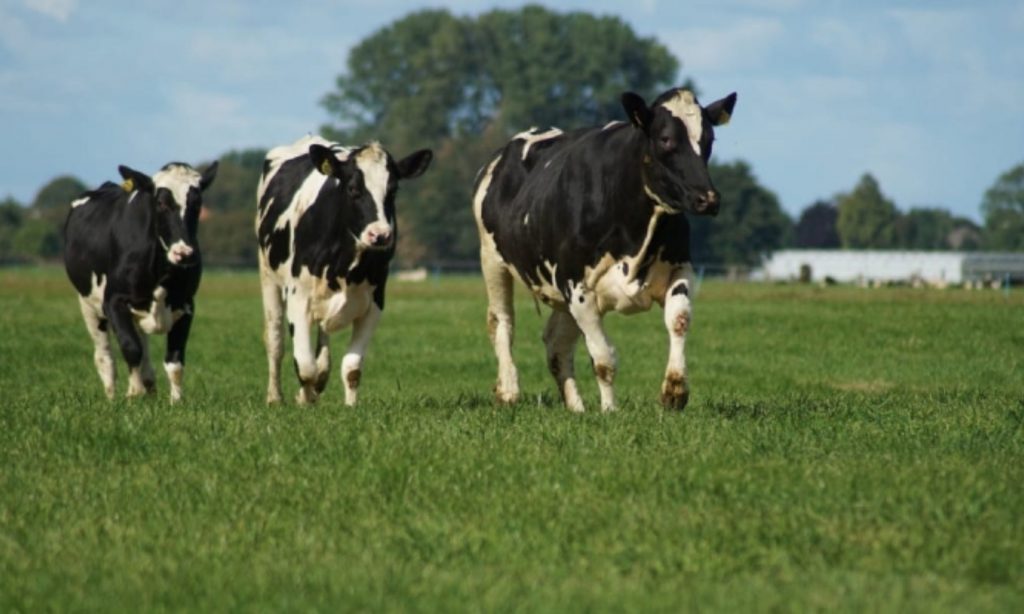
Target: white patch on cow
[
  {"x": 92, "y": 312},
  {"x": 616, "y": 284},
  {"x": 497, "y": 278},
  {"x": 283, "y": 153},
  {"x": 136, "y": 383},
  {"x": 531, "y": 136},
  {"x": 660, "y": 206},
  {"x": 96, "y": 292},
  {"x": 626, "y": 293},
  {"x": 78, "y": 202},
  {"x": 684, "y": 106},
  {"x": 545, "y": 291},
  {"x": 157, "y": 320},
  {"x": 526, "y": 219},
  {"x": 488, "y": 249},
  {"x": 373, "y": 162},
  {"x": 178, "y": 179},
  {"x": 337, "y": 310},
  {"x": 311, "y": 185},
  {"x": 175, "y": 374},
  {"x": 178, "y": 251}
]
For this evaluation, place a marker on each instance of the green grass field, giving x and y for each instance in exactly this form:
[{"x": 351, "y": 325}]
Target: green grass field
[{"x": 844, "y": 449}]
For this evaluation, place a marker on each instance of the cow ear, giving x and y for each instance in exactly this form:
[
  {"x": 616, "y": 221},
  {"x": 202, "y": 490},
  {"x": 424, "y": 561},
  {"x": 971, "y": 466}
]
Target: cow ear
[
  {"x": 135, "y": 180},
  {"x": 720, "y": 111},
  {"x": 323, "y": 160},
  {"x": 636, "y": 110},
  {"x": 208, "y": 176},
  {"x": 415, "y": 164}
]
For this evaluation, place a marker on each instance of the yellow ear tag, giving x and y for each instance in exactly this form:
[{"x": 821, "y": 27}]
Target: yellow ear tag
[
  {"x": 128, "y": 185},
  {"x": 325, "y": 168}
]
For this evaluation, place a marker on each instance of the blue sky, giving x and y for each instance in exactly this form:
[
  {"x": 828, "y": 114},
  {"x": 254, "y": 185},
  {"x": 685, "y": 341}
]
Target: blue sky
[{"x": 926, "y": 96}]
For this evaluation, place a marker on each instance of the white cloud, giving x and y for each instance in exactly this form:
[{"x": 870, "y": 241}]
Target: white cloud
[{"x": 60, "y": 10}]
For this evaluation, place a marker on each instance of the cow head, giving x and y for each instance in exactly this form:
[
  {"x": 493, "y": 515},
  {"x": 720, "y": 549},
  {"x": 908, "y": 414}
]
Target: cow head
[
  {"x": 178, "y": 191},
  {"x": 366, "y": 180},
  {"x": 679, "y": 134}
]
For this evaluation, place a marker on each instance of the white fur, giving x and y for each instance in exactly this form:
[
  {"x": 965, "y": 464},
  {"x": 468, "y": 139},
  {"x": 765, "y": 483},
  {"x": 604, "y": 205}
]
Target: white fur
[
  {"x": 307, "y": 302},
  {"x": 531, "y": 136},
  {"x": 179, "y": 179},
  {"x": 684, "y": 106},
  {"x": 608, "y": 285}
]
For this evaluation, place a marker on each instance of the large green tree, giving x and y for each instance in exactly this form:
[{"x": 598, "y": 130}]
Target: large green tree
[
  {"x": 1003, "y": 208},
  {"x": 42, "y": 235},
  {"x": 226, "y": 233},
  {"x": 816, "y": 227},
  {"x": 866, "y": 217},
  {"x": 749, "y": 225},
  {"x": 12, "y": 216},
  {"x": 463, "y": 85},
  {"x": 923, "y": 228}
]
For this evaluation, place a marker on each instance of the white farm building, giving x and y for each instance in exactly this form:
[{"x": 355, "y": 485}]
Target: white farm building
[{"x": 868, "y": 266}]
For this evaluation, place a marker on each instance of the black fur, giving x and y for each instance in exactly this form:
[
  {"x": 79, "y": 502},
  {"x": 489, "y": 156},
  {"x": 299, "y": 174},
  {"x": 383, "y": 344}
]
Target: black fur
[
  {"x": 121, "y": 237},
  {"x": 580, "y": 195}
]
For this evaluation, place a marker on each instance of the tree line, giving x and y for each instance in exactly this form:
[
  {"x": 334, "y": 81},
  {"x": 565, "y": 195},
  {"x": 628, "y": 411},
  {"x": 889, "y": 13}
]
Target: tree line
[{"x": 463, "y": 85}]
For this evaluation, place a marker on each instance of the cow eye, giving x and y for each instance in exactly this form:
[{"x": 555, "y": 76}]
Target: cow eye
[
  {"x": 666, "y": 143},
  {"x": 354, "y": 188}
]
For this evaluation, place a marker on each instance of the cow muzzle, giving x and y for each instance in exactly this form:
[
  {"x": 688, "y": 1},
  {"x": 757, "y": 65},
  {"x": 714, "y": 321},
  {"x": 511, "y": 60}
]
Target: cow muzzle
[
  {"x": 377, "y": 235},
  {"x": 706, "y": 203},
  {"x": 180, "y": 253}
]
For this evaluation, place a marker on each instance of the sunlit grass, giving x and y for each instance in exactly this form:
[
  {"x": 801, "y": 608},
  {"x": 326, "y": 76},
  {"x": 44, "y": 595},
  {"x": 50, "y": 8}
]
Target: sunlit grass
[{"x": 844, "y": 449}]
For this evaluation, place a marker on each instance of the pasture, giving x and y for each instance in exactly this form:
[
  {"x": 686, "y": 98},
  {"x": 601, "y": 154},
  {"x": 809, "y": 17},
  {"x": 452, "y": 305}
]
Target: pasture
[{"x": 844, "y": 449}]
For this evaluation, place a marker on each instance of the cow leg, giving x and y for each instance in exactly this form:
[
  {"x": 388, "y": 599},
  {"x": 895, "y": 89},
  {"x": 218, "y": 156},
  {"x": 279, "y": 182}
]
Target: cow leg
[
  {"x": 123, "y": 323},
  {"x": 675, "y": 389},
  {"x": 273, "y": 338},
  {"x": 146, "y": 368},
  {"x": 96, "y": 324},
  {"x": 351, "y": 365},
  {"x": 560, "y": 337},
  {"x": 174, "y": 357},
  {"x": 501, "y": 321},
  {"x": 583, "y": 307},
  {"x": 323, "y": 360},
  {"x": 300, "y": 325}
]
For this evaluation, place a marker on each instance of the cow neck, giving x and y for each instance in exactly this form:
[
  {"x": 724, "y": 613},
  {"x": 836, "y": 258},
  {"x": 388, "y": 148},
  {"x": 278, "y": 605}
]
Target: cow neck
[
  {"x": 140, "y": 217},
  {"x": 346, "y": 254},
  {"x": 142, "y": 242},
  {"x": 654, "y": 207}
]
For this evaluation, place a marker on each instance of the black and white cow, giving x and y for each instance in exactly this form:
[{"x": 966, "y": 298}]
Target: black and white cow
[
  {"x": 326, "y": 230},
  {"x": 591, "y": 221},
  {"x": 130, "y": 251}
]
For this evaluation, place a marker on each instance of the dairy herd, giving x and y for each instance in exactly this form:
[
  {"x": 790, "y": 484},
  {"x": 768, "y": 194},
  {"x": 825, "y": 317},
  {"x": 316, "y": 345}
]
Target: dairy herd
[{"x": 590, "y": 221}]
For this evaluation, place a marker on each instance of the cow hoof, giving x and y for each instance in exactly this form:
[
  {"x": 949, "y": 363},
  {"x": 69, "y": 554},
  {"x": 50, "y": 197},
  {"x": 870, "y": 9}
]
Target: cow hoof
[
  {"x": 505, "y": 396},
  {"x": 305, "y": 397},
  {"x": 677, "y": 402},
  {"x": 675, "y": 391}
]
